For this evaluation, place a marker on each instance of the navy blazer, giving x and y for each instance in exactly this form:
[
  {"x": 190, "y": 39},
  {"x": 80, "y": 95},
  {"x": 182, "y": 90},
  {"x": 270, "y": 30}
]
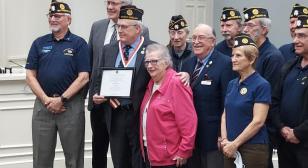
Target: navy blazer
[{"x": 209, "y": 98}]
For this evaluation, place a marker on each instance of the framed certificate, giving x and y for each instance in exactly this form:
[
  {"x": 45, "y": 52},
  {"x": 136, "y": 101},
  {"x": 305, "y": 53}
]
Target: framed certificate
[{"x": 116, "y": 82}]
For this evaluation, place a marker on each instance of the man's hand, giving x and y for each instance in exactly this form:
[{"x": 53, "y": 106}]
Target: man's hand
[
  {"x": 292, "y": 138},
  {"x": 97, "y": 99},
  {"x": 56, "y": 105},
  {"x": 184, "y": 77}
]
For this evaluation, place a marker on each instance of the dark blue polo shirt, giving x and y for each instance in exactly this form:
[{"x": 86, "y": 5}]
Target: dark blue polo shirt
[
  {"x": 58, "y": 62},
  {"x": 288, "y": 51},
  {"x": 269, "y": 62},
  {"x": 239, "y": 102},
  {"x": 224, "y": 48},
  {"x": 293, "y": 94}
]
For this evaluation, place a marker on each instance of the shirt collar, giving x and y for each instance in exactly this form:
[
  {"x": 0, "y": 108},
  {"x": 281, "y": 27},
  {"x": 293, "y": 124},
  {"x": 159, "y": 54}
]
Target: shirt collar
[
  {"x": 67, "y": 37},
  {"x": 111, "y": 24},
  {"x": 248, "y": 79},
  {"x": 134, "y": 45},
  {"x": 204, "y": 61}
]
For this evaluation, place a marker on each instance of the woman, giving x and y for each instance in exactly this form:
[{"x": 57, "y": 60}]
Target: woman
[
  {"x": 168, "y": 120},
  {"x": 246, "y": 107}
]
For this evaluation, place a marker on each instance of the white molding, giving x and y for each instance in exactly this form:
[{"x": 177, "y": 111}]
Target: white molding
[{"x": 3, "y": 34}]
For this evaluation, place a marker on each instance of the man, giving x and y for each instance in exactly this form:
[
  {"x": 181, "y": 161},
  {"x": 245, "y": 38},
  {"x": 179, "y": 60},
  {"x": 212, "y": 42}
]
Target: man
[
  {"x": 290, "y": 103},
  {"x": 257, "y": 25},
  {"x": 230, "y": 26},
  {"x": 288, "y": 50},
  {"x": 210, "y": 73},
  {"x": 102, "y": 32},
  {"x": 123, "y": 113},
  {"x": 58, "y": 67},
  {"x": 179, "y": 49}
]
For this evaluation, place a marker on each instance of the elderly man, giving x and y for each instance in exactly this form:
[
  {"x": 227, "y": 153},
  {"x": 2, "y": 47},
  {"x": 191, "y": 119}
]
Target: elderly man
[
  {"x": 123, "y": 113},
  {"x": 58, "y": 67},
  {"x": 257, "y": 25},
  {"x": 288, "y": 50},
  {"x": 230, "y": 26},
  {"x": 210, "y": 73},
  {"x": 102, "y": 32},
  {"x": 290, "y": 103},
  {"x": 179, "y": 48}
]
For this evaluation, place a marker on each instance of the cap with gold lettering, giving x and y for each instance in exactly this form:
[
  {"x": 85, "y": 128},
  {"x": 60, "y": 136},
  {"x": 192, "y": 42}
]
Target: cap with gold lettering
[
  {"x": 131, "y": 12},
  {"x": 298, "y": 10},
  {"x": 229, "y": 13},
  {"x": 302, "y": 21},
  {"x": 59, "y": 7},
  {"x": 253, "y": 13},
  {"x": 243, "y": 40},
  {"x": 177, "y": 22}
]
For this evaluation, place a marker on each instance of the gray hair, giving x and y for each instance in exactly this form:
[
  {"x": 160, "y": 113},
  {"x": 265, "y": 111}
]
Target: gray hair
[
  {"x": 126, "y": 2},
  {"x": 266, "y": 23},
  {"x": 162, "y": 51},
  {"x": 239, "y": 22}
]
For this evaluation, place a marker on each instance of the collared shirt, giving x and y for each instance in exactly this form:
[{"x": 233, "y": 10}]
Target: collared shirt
[
  {"x": 239, "y": 103},
  {"x": 133, "y": 47},
  {"x": 58, "y": 62},
  {"x": 293, "y": 94},
  {"x": 224, "y": 48},
  {"x": 110, "y": 29},
  {"x": 205, "y": 60}
]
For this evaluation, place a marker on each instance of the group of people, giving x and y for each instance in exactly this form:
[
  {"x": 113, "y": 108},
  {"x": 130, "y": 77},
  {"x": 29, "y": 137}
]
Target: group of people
[{"x": 193, "y": 104}]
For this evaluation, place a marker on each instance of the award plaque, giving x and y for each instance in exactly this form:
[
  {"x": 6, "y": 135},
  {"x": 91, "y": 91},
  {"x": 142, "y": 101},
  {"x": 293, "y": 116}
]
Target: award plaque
[{"x": 116, "y": 82}]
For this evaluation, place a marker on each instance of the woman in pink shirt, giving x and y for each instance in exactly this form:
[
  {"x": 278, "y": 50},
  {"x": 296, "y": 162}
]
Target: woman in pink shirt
[{"x": 168, "y": 120}]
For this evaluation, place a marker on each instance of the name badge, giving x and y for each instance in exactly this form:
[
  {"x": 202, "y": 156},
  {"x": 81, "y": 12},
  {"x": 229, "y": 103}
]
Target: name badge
[{"x": 206, "y": 82}]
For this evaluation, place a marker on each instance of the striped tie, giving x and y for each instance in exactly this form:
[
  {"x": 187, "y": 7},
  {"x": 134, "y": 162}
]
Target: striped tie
[
  {"x": 196, "y": 72},
  {"x": 114, "y": 34}
]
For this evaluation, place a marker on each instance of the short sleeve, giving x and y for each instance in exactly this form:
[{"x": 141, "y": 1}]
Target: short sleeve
[
  {"x": 32, "y": 60},
  {"x": 263, "y": 93}
]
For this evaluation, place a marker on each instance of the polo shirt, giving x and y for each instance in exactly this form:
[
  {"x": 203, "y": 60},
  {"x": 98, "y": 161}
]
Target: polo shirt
[
  {"x": 293, "y": 94},
  {"x": 239, "y": 103},
  {"x": 58, "y": 62}
]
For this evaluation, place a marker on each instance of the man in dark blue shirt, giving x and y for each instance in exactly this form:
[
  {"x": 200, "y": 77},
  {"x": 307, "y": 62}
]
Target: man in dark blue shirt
[
  {"x": 58, "y": 67},
  {"x": 257, "y": 25},
  {"x": 230, "y": 26},
  {"x": 290, "y": 103},
  {"x": 288, "y": 50}
]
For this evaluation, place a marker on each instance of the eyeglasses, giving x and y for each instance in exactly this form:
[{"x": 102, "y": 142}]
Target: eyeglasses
[
  {"x": 55, "y": 16},
  {"x": 300, "y": 36},
  {"x": 200, "y": 38},
  {"x": 124, "y": 27},
  {"x": 152, "y": 62},
  {"x": 112, "y": 3}
]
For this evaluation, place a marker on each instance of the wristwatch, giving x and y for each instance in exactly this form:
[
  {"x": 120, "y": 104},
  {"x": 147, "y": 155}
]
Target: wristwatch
[{"x": 64, "y": 99}]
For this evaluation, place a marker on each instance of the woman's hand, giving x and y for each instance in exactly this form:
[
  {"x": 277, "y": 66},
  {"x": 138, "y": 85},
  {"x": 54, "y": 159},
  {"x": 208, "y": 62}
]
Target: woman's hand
[
  {"x": 180, "y": 161},
  {"x": 229, "y": 149}
]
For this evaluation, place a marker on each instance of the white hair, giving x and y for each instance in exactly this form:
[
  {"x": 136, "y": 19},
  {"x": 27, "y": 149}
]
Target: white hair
[{"x": 162, "y": 51}]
